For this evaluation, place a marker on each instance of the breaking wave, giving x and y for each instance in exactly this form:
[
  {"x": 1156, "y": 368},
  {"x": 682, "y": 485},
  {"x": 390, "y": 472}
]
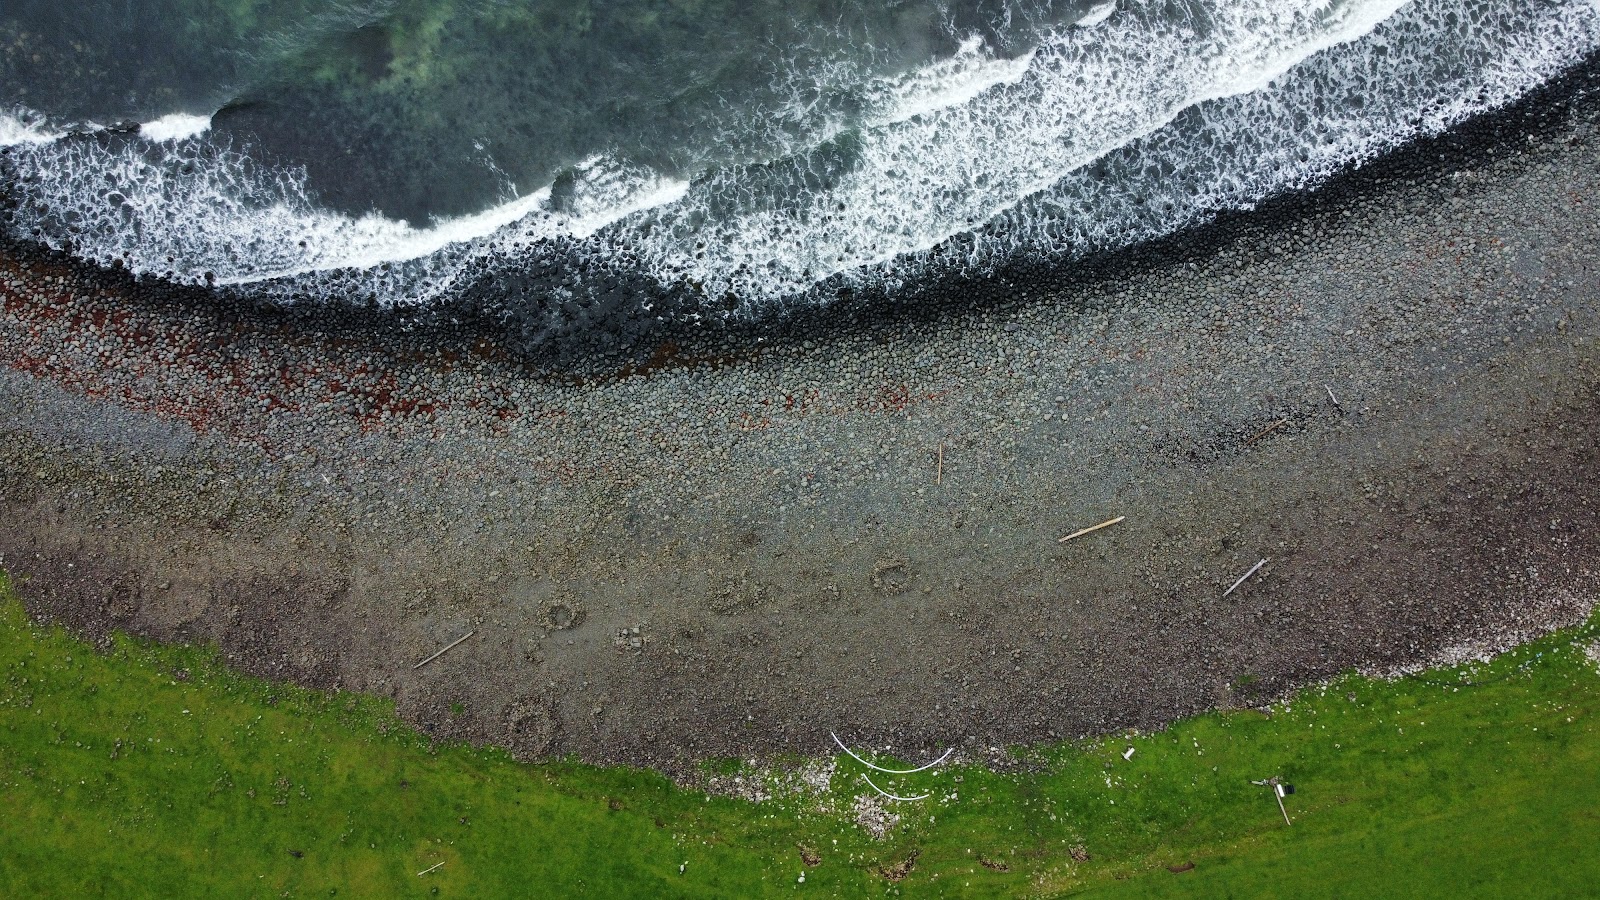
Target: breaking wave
[{"x": 1138, "y": 119}]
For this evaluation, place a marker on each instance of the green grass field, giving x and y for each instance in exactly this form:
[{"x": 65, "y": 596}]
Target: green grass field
[{"x": 155, "y": 771}]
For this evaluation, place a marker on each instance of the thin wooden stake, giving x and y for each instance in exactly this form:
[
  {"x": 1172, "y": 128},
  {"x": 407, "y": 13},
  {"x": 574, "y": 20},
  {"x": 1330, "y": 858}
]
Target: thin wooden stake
[
  {"x": 1253, "y": 570},
  {"x": 451, "y": 646},
  {"x": 429, "y": 869},
  {"x": 1083, "y": 531},
  {"x": 1266, "y": 431},
  {"x": 938, "y": 476}
]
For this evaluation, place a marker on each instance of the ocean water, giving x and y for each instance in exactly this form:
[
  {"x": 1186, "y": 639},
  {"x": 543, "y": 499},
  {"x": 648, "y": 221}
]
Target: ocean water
[{"x": 570, "y": 161}]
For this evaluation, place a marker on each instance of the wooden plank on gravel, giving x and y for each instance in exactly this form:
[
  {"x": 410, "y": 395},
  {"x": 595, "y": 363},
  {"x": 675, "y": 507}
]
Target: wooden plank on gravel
[
  {"x": 451, "y": 646},
  {"x": 1083, "y": 531}
]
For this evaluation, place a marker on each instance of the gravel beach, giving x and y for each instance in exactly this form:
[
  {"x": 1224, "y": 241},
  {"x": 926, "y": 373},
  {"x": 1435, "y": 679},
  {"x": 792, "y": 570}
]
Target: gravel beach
[{"x": 735, "y": 541}]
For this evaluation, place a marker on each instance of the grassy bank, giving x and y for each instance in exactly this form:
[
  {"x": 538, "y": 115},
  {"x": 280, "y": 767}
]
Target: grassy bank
[{"x": 146, "y": 770}]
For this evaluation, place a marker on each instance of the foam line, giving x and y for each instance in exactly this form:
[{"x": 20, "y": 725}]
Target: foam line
[
  {"x": 1088, "y": 95},
  {"x": 175, "y": 127},
  {"x": 17, "y": 129},
  {"x": 1097, "y": 14},
  {"x": 952, "y": 82},
  {"x": 1128, "y": 125}
]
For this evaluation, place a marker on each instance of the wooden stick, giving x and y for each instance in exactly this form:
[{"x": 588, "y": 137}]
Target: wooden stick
[
  {"x": 938, "y": 477},
  {"x": 429, "y": 869},
  {"x": 1266, "y": 431},
  {"x": 1083, "y": 531},
  {"x": 1236, "y": 584},
  {"x": 1336, "y": 403},
  {"x": 452, "y": 645}
]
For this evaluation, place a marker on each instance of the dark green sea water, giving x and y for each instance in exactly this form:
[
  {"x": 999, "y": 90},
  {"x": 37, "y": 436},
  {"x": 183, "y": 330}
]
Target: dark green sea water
[
  {"x": 740, "y": 152},
  {"x": 426, "y": 108}
]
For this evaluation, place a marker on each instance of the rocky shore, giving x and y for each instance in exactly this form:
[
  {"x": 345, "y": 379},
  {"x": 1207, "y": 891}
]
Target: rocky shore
[{"x": 733, "y": 541}]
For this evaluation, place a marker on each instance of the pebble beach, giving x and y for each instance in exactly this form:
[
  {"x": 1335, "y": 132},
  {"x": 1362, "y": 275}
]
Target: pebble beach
[{"x": 1380, "y": 401}]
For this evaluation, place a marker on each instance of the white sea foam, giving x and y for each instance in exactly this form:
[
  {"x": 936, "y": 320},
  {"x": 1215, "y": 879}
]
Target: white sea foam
[
  {"x": 1099, "y": 136},
  {"x": 175, "y": 127},
  {"x": 604, "y": 192},
  {"x": 1087, "y": 93},
  {"x": 1261, "y": 63},
  {"x": 1097, "y": 14},
  {"x": 20, "y": 127},
  {"x": 198, "y": 214},
  {"x": 944, "y": 84}
]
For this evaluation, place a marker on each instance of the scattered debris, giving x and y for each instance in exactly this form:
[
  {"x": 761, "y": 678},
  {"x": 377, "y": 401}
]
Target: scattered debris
[
  {"x": 893, "y": 575},
  {"x": 1279, "y": 791},
  {"x": 448, "y": 647},
  {"x": 560, "y": 615},
  {"x": 1253, "y": 569},
  {"x": 760, "y": 783},
  {"x": 873, "y": 816},
  {"x": 738, "y": 594},
  {"x": 1266, "y": 431},
  {"x": 632, "y": 638},
  {"x": 994, "y": 865},
  {"x": 878, "y": 768},
  {"x": 880, "y": 790},
  {"x": 900, "y": 870},
  {"x": 1083, "y": 531},
  {"x": 532, "y": 724}
]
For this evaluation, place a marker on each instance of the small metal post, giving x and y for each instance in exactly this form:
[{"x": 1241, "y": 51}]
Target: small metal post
[{"x": 1277, "y": 794}]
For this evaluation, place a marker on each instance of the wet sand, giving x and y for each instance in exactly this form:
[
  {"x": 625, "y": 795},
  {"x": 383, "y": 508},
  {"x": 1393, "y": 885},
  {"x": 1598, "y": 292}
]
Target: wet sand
[{"x": 736, "y": 541}]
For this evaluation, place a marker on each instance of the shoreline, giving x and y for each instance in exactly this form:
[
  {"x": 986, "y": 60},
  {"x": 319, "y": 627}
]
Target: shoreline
[
  {"x": 925, "y": 301},
  {"x": 1337, "y": 741},
  {"x": 731, "y": 552}
]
